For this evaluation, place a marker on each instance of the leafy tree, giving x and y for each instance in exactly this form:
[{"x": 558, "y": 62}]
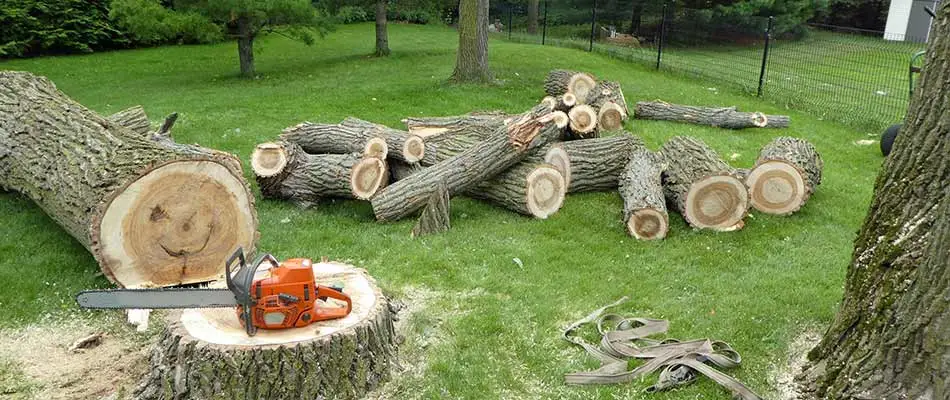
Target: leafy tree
[
  {"x": 29, "y": 27},
  {"x": 471, "y": 64},
  {"x": 243, "y": 19},
  {"x": 890, "y": 337}
]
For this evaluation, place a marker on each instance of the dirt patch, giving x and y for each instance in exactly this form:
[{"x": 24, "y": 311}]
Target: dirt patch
[
  {"x": 40, "y": 353},
  {"x": 783, "y": 376}
]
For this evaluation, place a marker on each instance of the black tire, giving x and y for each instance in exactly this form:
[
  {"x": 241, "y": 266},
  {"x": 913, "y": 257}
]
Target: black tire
[{"x": 887, "y": 139}]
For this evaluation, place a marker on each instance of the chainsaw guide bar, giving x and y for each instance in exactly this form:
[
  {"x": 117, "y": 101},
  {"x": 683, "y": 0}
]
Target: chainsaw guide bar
[{"x": 157, "y": 298}]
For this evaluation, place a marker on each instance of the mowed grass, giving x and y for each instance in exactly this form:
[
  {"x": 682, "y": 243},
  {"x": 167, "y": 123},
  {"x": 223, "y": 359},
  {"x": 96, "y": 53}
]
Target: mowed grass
[{"x": 492, "y": 327}]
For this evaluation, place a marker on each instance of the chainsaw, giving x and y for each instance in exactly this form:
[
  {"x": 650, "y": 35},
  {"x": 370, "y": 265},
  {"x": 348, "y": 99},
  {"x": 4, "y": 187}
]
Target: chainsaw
[{"x": 287, "y": 298}]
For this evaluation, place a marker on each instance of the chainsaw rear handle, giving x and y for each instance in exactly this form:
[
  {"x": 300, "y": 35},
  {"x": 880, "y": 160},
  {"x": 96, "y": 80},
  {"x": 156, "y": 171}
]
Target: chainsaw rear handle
[{"x": 326, "y": 291}]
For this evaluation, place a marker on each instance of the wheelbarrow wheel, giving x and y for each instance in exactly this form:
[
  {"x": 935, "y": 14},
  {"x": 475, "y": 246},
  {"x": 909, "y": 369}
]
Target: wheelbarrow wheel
[{"x": 887, "y": 139}]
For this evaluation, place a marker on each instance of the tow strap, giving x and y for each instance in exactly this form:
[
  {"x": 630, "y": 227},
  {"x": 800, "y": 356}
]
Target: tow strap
[{"x": 624, "y": 338}]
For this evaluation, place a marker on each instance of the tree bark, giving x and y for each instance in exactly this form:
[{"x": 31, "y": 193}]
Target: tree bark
[
  {"x": 405, "y": 146},
  {"x": 433, "y": 129},
  {"x": 533, "y": 6},
  {"x": 436, "y": 216},
  {"x": 246, "y": 36},
  {"x": 786, "y": 173},
  {"x": 133, "y": 118},
  {"x": 471, "y": 64},
  {"x": 465, "y": 170},
  {"x": 152, "y": 212},
  {"x": 889, "y": 338},
  {"x": 644, "y": 206},
  {"x": 560, "y": 81},
  {"x": 382, "y": 37},
  {"x": 527, "y": 188},
  {"x": 590, "y": 165},
  {"x": 285, "y": 171},
  {"x": 702, "y": 187},
  {"x": 353, "y": 136},
  {"x": 205, "y": 353},
  {"x": 607, "y": 98},
  {"x": 726, "y": 117}
]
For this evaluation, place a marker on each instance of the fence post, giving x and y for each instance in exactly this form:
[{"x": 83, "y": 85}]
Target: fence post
[
  {"x": 661, "y": 36},
  {"x": 510, "y": 6},
  {"x": 544, "y": 28},
  {"x": 765, "y": 54},
  {"x": 593, "y": 21}
]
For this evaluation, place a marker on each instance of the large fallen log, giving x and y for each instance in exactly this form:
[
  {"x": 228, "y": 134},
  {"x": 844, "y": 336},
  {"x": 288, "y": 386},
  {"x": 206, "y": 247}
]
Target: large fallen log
[
  {"x": 436, "y": 217},
  {"x": 284, "y": 171},
  {"x": 702, "y": 187},
  {"x": 644, "y": 206},
  {"x": 354, "y": 136},
  {"x": 531, "y": 189},
  {"x": 151, "y": 212},
  {"x": 786, "y": 173},
  {"x": 559, "y": 82},
  {"x": 724, "y": 117},
  {"x": 205, "y": 353},
  {"x": 590, "y": 165},
  {"x": 478, "y": 124},
  {"x": 489, "y": 157}
]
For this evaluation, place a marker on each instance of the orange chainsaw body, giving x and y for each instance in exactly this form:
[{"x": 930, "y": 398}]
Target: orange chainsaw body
[{"x": 291, "y": 298}]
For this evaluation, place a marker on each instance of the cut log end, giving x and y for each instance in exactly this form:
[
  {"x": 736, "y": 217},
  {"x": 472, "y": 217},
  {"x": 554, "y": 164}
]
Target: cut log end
[
  {"x": 546, "y": 190},
  {"x": 414, "y": 149},
  {"x": 560, "y": 160},
  {"x": 567, "y": 101},
  {"x": 581, "y": 85},
  {"x": 776, "y": 187},
  {"x": 718, "y": 202},
  {"x": 269, "y": 159},
  {"x": 648, "y": 224},
  {"x": 583, "y": 120},
  {"x": 344, "y": 357},
  {"x": 759, "y": 119},
  {"x": 376, "y": 148},
  {"x": 610, "y": 117},
  {"x": 550, "y": 102},
  {"x": 368, "y": 177},
  {"x": 561, "y": 120},
  {"x": 175, "y": 224}
]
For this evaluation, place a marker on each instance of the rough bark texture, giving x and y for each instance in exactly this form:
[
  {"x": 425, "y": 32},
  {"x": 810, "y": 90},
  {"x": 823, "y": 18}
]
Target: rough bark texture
[
  {"x": 349, "y": 136},
  {"x": 533, "y": 16},
  {"x": 471, "y": 63},
  {"x": 436, "y": 217},
  {"x": 786, "y": 173},
  {"x": 245, "y": 44},
  {"x": 702, "y": 187},
  {"x": 382, "y": 37},
  {"x": 354, "y": 357},
  {"x": 403, "y": 146},
  {"x": 595, "y": 164},
  {"x": 725, "y": 117},
  {"x": 133, "y": 118},
  {"x": 560, "y": 81},
  {"x": 306, "y": 178},
  {"x": 644, "y": 206},
  {"x": 527, "y": 188},
  {"x": 608, "y": 92},
  {"x": 132, "y": 201},
  {"x": 438, "y": 128},
  {"x": 889, "y": 338},
  {"x": 465, "y": 170}
]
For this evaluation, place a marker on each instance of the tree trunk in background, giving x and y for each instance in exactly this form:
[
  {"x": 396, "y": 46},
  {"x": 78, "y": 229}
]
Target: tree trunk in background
[
  {"x": 889, "y": 338},
  {"x": 635, "y": 19},
  {"x": 246, "y": 47},
  {"x": 471, "y": 64},
  {"x": 533, "y": 16},
  {"x": 382, "y": 38}
]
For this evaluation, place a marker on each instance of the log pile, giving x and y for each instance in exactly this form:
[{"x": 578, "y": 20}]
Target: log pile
[{"x": 528, "y": 162}]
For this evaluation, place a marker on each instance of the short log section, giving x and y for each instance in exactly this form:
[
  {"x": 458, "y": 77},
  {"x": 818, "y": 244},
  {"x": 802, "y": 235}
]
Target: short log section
[
  {"x": 205, "y": 353},
  {"x": 583, "y": 122},
  {"x": 284, "y": 171},
  {"x": 644, "y": 206},
  {"x": 536, "y": 190},
  {"x": 786, "y": 174},
  {"x": 560, "y": 81},
  {"x": 724, "y": 117},
  {"x": 406, "y": 147},
  {"x": 352, "y": 136},
  {"x": 590, "y": 165},
  {"x": 151, "y": 212},
  {"x": 702, "y": 187}
]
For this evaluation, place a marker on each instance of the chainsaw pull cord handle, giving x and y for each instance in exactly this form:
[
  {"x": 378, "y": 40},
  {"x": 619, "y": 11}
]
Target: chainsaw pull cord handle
[{"x": 325, "y": 291}]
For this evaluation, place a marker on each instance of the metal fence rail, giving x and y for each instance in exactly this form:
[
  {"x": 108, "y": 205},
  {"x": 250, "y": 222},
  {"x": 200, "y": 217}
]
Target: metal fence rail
[{"x": 849, "y": 75}]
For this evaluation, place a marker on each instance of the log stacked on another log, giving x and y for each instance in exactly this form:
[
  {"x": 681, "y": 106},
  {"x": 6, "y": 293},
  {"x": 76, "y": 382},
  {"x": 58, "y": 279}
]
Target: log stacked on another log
[
  {"x": 644, "y": 206},
  {"x": 724, "y": 117},
  {"x": 579, "y": 84},
  {"x": 786, "y": 173}
]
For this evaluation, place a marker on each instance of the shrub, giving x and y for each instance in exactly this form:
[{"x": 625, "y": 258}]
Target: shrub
[
  {"x": 31, "y": 27},
  {"x": 353, "y": 14},
  {"x": 150, "y": 23}
]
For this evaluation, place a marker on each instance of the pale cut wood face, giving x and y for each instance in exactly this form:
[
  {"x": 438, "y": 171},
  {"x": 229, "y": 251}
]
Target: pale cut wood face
[
  {"x": 546, "y": 190},
  {"x": 221, "y": 326},
  {"x": 777, "y": 187},
  {"x": 717, "y": 202},
  {"x": 176, "y": 224},
  {"x": 648, "y": 224}
]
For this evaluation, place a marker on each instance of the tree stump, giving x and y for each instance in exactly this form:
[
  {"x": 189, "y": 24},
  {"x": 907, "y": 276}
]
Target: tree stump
[
  {"x": 644, "y": 206},
  {"x": 725, "y": 117},
  {"x": 590, "y": 165},
  {"x": 489, "y": 157},
  {"x": 436, "y": 217},
  {"x": 559, "y": 82},
  {"x": 285, "y": 171},
  {"x": 133, "y": 118},
  {"x": 786, "y": 173},
  {"x": 531, "y": 189},
  {"x": 583, "y": 121},
  {"x": 152, "y": 212},
  {"x": 205, "y": 353},
  {"x": 702, "y": 187}
]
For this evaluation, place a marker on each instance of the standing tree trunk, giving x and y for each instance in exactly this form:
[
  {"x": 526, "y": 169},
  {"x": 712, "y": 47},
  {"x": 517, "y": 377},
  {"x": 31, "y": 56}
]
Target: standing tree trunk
[
  {"x": 246, "y": 46},
  {"x": 151, "y": 211},
  {"x": 382, "y": 38},
  {"x": 889, "y": 339},
  {"x": 636, "y": 17},
  {"x": 471, "y": 64},
  {"x": 533, "y": 16}
]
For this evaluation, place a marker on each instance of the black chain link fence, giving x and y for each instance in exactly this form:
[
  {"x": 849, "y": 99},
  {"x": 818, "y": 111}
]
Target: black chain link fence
[{"x": 859, "y": 77}]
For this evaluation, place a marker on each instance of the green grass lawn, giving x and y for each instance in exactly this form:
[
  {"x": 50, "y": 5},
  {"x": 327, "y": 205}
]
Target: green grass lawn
[{"x": 487, "y": 327}]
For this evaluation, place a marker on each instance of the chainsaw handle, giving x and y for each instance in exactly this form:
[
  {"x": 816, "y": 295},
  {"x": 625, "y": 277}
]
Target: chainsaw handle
[
  {"x": 326, "y": 291},
  {"x": 240, "y": 281}
]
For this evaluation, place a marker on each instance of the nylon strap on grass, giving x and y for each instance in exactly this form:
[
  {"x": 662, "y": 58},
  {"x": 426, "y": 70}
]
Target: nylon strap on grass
[{"x": 624, "y": 338}]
